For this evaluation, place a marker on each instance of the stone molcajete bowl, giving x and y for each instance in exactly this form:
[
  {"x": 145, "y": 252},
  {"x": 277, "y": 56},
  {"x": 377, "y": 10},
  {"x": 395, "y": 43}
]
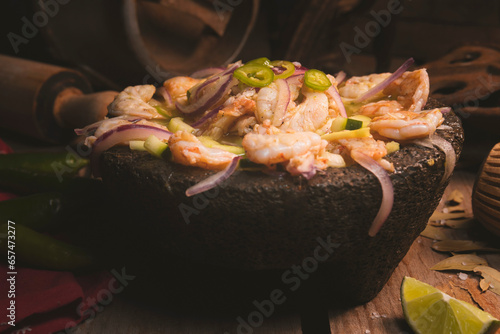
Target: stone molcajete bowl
[{"x": 310, "y": 236}]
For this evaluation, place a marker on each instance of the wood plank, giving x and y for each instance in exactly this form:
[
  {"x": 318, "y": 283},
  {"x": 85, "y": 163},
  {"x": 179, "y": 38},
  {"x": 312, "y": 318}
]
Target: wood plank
[{"x": 126, "y": 317}]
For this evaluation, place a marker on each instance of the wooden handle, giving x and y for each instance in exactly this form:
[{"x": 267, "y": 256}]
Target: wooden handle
[
  {"x": 76, "y": 111},
  {"x": 45, "y": 101}
]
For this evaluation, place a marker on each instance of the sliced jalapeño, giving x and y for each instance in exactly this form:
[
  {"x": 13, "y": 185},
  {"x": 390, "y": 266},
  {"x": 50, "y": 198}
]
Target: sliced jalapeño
[
  {"x": 254, "y": 75},
  {"x": 317, "y": 80}
]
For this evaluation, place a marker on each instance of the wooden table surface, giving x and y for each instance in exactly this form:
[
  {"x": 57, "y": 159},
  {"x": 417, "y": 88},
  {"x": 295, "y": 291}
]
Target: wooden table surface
[{"x": 381, "y": 315}]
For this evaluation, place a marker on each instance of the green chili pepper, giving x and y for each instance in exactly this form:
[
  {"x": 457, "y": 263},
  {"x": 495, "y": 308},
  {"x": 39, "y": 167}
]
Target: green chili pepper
[
  {"x": 289, "y": 68},
  {"x": 254, "y": 75},
  {"x": 260, "y": 61},
  {"x": 317, "y": 80},
  {"x": 40, "y": 250},
  {"x": 34, "y": 211},
  {"x": 38, "y": 172}
]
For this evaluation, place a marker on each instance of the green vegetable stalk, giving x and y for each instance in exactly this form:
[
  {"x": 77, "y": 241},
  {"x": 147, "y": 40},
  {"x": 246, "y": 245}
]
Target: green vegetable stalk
[
  {"x": 40, "y": 250},
  {"x": 38, "y": 172}
]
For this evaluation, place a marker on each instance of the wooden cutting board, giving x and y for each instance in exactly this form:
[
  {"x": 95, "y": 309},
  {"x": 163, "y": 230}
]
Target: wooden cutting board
[{"x": 381, "y": 315}]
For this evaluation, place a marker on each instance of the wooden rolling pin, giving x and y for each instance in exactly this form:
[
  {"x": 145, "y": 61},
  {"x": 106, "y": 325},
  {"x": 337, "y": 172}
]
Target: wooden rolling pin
[{"x": 47, "y": 102}]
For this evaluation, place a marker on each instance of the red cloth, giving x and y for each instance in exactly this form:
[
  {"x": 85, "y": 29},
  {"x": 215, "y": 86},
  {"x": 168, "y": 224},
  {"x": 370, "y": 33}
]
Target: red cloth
[
  {"x": 50, "y": 301},
  {"x": 4, "y": 148}
]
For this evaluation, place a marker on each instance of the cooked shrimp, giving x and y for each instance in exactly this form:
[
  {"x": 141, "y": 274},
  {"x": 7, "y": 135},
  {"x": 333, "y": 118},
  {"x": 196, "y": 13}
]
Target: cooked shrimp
[
  {"x": 238, "y": 106},
  {"x": 310, "y": 115},
  {"x": 367, "y": 145},
  {"x": 188, "y": 150},
  {"x": 177, "y": 87},
  {"x": 267, "y": 99},
  {"x": 233, "y": 108},
  {"x": 302, "y": 165},
  {"x": 244, "y": 125},
  {"x": 271, "y": 149},
  {"x": 132, "y": 101},
  {"x": 411, "y": 89},
  {"x": 405, "y": 125},
  {"x": 357, "y": 86},
  {"x": 373, "y": 148},
  {"x": 380, "y": 108}
]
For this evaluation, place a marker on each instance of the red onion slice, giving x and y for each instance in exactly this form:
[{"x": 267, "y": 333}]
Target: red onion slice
[
  {"x": 446, "y": 147},
  {"x": 215, "y": 93},
  {"x": 387, "y": 189},
  {"x": 214, "y": 180},
  {"x": 298, "y": 66},
  {"x": 296, "y": 79},
  {"x": 334, "y": 93},
  {"x": 166, "y": 96},
  {"x": 207, "y": 117},
  {"x": 423, "y": 142},
  {"x": 381, "y": 86},
  {"x": 449, "y": 151},
  {"x": 444, "y": 127},
  {"x": 206, "y": 72},
  {"x": 282, "y": 102},
  {"x": 340, "y": 77},
  {"x": 91, "y": 128},
  {"x": 123, "y": 134},
  {"x": 197, "y": 90}
]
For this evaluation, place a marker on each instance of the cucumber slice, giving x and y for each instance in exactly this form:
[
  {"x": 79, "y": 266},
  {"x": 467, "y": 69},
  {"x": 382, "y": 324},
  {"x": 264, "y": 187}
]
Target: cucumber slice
[
  {"x": 392, "y": 146},
  {"x": 155, "y": 146},
  {"x": 137, "y": 145},
  {"x": 177, "y": 124},
  {"x": 338, "y": 124},
  {"x": 359, "y": 133},
  {"x": 365, "y": 119},
  {"x": 353, "y": 124},
  {"x": 211, "y": 143}
]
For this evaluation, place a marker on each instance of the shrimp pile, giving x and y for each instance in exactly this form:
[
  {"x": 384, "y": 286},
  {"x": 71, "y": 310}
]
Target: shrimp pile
[{"x": 289, "y": 123}]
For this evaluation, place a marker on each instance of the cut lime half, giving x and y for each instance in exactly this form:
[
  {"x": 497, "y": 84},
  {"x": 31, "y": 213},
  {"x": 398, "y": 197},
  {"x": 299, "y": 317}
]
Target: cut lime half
[{"x": 430, "y": 311}]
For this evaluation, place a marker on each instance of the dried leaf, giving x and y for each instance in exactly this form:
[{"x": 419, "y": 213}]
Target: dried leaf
[
  {"x": 460, "y": 223},
  {"x": 462, "y": 246},
  {"x": 454, "y": 209},
  {"x": 491, "y": 279},
  {"x": 436, "y": 233},
  {"x": 455, "y": 224},
  {"x": 451, "y": 215},
  {"x": 455, "y": 196},
  {"x": 484, "y": 285},
  {"x": 464, "y": 262}
]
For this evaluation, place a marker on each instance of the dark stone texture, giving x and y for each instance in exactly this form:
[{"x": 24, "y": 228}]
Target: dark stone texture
[{"x": 257, "y": 224}]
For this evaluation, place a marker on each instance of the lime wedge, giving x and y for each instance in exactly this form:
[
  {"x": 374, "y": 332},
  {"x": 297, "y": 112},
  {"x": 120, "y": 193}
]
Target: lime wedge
[{"x": 430, "y": 311}]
